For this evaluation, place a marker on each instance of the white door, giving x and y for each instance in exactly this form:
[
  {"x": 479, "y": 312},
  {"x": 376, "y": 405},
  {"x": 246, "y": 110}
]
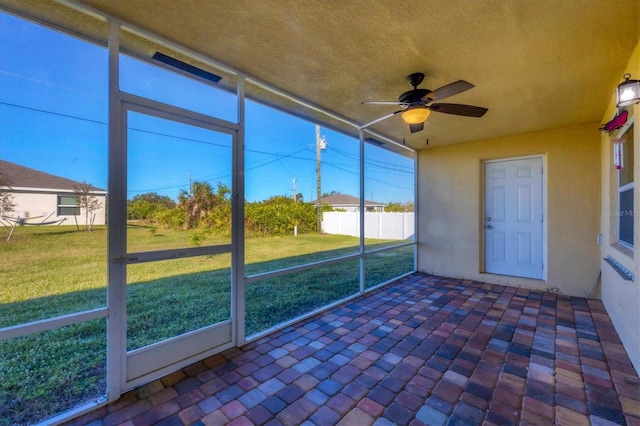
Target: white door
[{"x": 513, "y": 218}]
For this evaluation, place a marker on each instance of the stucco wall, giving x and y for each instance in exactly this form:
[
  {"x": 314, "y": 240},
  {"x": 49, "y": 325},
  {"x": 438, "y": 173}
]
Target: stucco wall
[
  {"x": 450, "y": 207},
  {"x": 34, "y": 205},
  {"x": 621, "y": 298}
]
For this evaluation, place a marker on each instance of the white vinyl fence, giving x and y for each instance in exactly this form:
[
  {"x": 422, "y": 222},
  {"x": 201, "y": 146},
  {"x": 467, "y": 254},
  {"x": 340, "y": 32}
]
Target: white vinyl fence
[{"x": 387, "y": 225}]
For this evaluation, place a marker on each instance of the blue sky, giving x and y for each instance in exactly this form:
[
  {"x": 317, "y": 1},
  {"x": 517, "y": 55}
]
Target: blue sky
[{"x": 53, "y": 115}]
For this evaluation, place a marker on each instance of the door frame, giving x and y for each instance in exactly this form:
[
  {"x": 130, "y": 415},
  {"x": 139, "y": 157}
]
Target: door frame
[
  {"x": 481, "y": 214},
  {"x": 145, "y": 364}
]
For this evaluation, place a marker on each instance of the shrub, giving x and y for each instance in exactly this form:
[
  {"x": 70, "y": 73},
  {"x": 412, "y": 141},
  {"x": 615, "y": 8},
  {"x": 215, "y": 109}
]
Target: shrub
[
  {"x": 278, "y": 216},
  {"x": 148, "y": 206},
  {"x": 173, "y": 218}
]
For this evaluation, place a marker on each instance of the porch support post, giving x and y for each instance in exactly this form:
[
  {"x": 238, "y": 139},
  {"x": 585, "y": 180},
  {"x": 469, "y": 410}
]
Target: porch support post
[
  {"x": 237, "y": 225},
  {"x": 116, "y": 228},
  {"x": 361, "y": 212}
]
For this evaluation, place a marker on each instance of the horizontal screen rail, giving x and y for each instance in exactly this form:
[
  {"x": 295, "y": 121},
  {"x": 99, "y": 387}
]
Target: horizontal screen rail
[{"x": 51, "y": 323}]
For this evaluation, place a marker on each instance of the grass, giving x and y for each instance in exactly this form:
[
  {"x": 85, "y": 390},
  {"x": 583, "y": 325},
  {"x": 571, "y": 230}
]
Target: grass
[{"x": 50, "y": 271}]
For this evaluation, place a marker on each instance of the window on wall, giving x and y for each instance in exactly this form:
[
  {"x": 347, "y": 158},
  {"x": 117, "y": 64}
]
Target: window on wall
[
  {"x": 626, "y": 189},
  {"x": 68, "y": 205}
]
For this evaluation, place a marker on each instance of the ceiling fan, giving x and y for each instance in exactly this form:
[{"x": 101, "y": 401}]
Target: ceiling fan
[{"x": 417, "y": 104}]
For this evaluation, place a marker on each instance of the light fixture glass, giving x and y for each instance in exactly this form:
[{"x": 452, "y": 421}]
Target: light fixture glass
[
  {"x": 628, "y": 91},
  {"x": 416, "y": 114}
]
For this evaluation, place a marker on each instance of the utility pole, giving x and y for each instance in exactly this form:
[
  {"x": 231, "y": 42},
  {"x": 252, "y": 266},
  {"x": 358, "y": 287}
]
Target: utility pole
[
  {"x": 295, "y": 198},
  {"x": 321, "y": 144}
]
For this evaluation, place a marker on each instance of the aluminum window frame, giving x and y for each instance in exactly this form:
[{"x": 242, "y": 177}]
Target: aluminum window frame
[
  {"x": 621, "y": 189},
  {"x": 115, "y": 309}
]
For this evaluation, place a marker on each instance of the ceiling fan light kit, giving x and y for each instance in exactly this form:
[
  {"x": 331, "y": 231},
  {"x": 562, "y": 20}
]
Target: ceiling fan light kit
[
  {"x": 417, "y": 104},
  {"x": 415, "y": 115}
]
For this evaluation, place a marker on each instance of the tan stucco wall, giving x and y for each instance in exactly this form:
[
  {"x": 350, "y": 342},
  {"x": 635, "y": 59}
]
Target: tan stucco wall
[
  {"x": 450, "y": 201},
  {"x": 621, "y": 298}
]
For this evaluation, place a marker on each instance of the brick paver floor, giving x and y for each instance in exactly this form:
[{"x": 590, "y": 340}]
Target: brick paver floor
[{"x": 422, "y": 351}]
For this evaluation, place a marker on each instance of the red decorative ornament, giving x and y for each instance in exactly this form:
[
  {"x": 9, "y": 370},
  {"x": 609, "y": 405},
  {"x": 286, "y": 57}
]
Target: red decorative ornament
[{"x": 617, "y": 122}]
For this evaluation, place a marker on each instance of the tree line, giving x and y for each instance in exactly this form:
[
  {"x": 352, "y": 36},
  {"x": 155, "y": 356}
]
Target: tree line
[{"x": 205, "y": 207}]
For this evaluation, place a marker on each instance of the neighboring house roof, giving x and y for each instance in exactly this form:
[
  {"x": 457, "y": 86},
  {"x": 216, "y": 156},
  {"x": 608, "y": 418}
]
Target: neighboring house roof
[
  {"x": 345, "y": 200},
  {"x": 17, "y": 176}
]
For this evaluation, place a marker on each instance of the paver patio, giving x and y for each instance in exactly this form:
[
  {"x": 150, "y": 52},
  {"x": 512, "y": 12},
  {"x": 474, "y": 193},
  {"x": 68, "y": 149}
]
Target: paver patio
[{"x": 424, "y": 350}]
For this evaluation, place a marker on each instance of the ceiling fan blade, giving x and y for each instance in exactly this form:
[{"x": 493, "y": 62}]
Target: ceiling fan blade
[
  {"x": 379, "y": 119},
  {"x": 416, "y": 127},
  {"x": 448, "y": 90},
  {"x": 384, "y": 103},
  {"x": 459, "y": 109}
]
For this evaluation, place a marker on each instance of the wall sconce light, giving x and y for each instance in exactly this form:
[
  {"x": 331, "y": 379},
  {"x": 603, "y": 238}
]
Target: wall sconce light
[{"x": 628, "y": 91}]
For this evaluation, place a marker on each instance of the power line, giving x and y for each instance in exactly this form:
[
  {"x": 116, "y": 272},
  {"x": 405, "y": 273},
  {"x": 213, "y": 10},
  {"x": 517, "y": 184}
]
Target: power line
[
  {"x": 382, "y": 164},
  {"x": 54, "y": 113},
  {"x": 370, "y": 178},
  {"x": 57, "y": 86},
  {"x": 278, "y": 158},
  {"x": 370, "y": 161},
  {"x": 218, "y": 177},
  {"x": 349, "y": 155},
  {"x": 149, "y": 131},
  {"x": 180, "y": 138}
]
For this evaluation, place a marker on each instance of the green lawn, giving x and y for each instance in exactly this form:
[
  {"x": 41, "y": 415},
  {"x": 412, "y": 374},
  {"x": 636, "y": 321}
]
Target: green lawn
[{"x": 51, "y": 271}]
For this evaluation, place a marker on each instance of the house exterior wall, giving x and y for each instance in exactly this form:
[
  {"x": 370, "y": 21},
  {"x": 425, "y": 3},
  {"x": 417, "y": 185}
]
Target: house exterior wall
[
  {"x": 621, "y": 298},
  {"x": 356, "y": 208},
  {"x": 346, "y": 208},
  {"x": 45, "y": 204},
  {"x": 450, "y": 202}
]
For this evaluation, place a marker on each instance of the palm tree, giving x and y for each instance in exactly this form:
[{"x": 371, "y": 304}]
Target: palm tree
[{"x": 197, "y": 203}]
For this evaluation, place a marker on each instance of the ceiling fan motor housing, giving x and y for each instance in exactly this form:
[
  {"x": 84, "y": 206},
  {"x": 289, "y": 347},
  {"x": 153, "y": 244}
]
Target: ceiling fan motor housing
[{"x": 414, "y": 96}]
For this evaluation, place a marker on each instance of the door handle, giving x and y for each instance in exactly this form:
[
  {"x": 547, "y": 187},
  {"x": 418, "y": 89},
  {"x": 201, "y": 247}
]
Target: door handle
[
  {"x": 489, "y": 227},
  {"x": 488, "y": 219}
]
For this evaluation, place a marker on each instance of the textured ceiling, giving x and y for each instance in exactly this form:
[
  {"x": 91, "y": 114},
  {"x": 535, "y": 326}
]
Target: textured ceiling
[{"x": 535, "y": 64}]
